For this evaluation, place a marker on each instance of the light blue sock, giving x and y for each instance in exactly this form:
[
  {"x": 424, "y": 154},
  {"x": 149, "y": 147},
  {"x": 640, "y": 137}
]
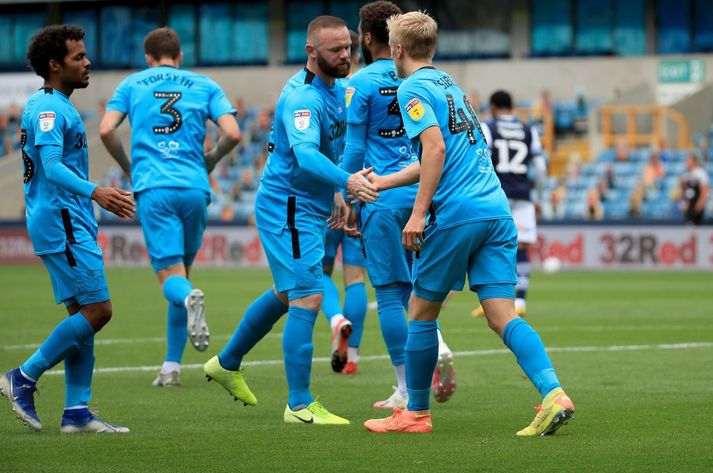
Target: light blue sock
[
  {"x": 392, "y": 321},
  {"x": 527, "y": 346},
  {"x": 355, "y": 311},
  {"x": 78, "y": 371},
  {"x": 255, "y": 324},
  {"x": 421, "y": 358},
  {"x": 176, "y": 289},
  {"x": 64, "y": 340},
  {"x": 330, "y": 303},
  {"x": 176, "y": 332},
  {"x": 297, "y": 350}
]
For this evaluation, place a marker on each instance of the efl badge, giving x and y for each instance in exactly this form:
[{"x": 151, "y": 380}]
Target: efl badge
[
  {"x": 46, "y": 121},
  {"x": 350, "y": 93},
  {"x": 415, "y": 109},
  {"x": 302, "y": 119}
]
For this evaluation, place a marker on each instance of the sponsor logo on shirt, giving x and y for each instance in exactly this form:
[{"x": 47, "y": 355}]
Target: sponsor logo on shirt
[
  {"x": 168, "y": 150},
  {"x": 350, "y": 94},
  {"x": 302, "y": 119},
  {"x": 415, "y": 109},
  {"x": 46, "y": 121}
]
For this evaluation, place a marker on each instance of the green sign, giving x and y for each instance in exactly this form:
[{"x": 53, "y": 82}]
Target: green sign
[{"x": 684, "y": 71}]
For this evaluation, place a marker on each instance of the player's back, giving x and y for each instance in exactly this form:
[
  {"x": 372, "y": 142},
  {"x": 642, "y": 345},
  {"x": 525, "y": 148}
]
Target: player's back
[
  {"x": 513, "y": 146},
  {"x": 371, "y": 101},
  {"x": 54, "y": 215},
  {"x": 305, "y": 101},
  {"x": 468, "y": 190},
  {"x": 168, "y": 109}
]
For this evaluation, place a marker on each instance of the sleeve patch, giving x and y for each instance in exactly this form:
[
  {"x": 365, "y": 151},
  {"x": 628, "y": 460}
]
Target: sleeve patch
[
  {"x": 302, "y": 118},
  {"x": 350, "y": 94},
  {"x": 46, "y": 121},
  {"x": 415, "y": 109}
]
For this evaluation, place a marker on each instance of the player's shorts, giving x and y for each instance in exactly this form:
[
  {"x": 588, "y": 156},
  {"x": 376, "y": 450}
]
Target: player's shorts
[
  {"x": 295, "y": 259},
  {"x": 173, "y": 221},
  {"x": 77, "y": 274},
  {"x": 523, "y": 212},
  {"x": 352, "y": 253},
  {"x": 387, "y": 261},
  {"x": 485, "y": 251}
]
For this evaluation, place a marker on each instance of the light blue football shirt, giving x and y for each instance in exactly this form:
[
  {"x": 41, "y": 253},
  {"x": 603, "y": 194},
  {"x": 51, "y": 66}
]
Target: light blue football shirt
[
  {"x": 168, "y": 109},
  {"x": 54, "y": 216},
  {"x": 308, "y": 111},
  {"x": 371, "y": 101},
  {"x": 469, "y": 189}
]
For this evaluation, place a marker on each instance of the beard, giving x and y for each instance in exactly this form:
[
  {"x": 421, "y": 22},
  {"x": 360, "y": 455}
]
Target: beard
[
  {"x": 338, "y": 71},
  {"x": 366, "y": 54}
]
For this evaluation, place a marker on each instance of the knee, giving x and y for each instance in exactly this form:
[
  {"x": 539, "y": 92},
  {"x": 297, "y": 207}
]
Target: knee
[
  {"x": 312, "y": 302},
  {"x": 99, "y": 315}
]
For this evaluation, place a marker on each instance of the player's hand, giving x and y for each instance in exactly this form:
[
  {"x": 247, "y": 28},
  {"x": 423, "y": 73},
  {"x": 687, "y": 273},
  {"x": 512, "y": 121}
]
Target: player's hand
[
  {"x": 377, "y": 181},
  {"x": 117, "y": 201},
  {"x": 412, "y": 236},
  {"x": 340, "y": 210},
  {"x": 210, "y": 159},
  {"x": 360, "y": 187},
  {"x": 350, "y": 228}
]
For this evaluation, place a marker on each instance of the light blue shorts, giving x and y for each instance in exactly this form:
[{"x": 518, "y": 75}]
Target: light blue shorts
[
  {"x": 173, "y": 221},
  {"x": 77, "y": 274},
  {"x": 387, "y": 262},
  {"x": 485, "y": 251},
  {"x": 295, "y": 259},
  {"x": 352, "y": 253}
]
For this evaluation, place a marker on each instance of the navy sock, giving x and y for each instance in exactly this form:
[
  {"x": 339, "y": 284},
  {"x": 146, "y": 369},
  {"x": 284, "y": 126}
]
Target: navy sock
[
  {"x": 255, "y": 324},
  {"x": 523, "y": 273},
  {"x": 176, "y": 332},
  {"x": 355, "y": 311},
  {"x": 64, "y": 340},
  {"x": 297, "y": 350},
  {"x": 331, "y": 305},
  {"x": 421, "y": 358},
  {"x": 78, "y": 371},
  {"x": 527, "y": 346},
  {"x": 392, "y": 321}
]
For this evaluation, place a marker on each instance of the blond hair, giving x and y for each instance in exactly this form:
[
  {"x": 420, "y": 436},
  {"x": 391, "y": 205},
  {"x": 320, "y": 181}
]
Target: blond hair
[{"x": 416, "y": 32}]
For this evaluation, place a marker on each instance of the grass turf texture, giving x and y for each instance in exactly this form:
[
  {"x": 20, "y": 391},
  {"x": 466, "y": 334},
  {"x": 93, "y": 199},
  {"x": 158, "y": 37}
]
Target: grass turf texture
[{"x": 637, "y": 410}]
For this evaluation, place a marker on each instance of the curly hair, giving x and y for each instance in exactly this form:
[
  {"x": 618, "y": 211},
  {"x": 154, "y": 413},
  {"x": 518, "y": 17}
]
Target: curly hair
[
  {"x": 373, "y": 16},
  {"x": 51, "y": 43}
]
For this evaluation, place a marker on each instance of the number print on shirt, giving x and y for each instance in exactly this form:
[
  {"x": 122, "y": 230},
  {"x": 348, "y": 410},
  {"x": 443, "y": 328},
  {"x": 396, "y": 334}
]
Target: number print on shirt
[
  {"x": 81, "y": 140},
  {"x": 392, "y": 109},
  {"x": 465, "y": 124},
  {"x": 29, "y": 165},
  {"x": 508, "y": 164},
  {"x": 168, "y": 109}
]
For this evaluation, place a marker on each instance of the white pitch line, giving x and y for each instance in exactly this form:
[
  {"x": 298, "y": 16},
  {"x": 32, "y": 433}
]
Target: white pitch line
[
  {"x": 497, "y": 351},
  {"x": 553, "y": 329}
]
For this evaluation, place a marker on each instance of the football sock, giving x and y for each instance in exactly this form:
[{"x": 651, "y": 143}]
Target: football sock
[
  {"x": 330, "y": 302},
  {"x": 523, "y": 273},
  {"x": 421, "y": 358},
  {"x": 392, "y": 321},
  {"x": 355, "y": 311},
  {"x": 78, "y": 370},
  {"x": 169, "y": 366},
  {"x": 400, "y": 372},
  {"x": 65, "y": 339},
  {"x": 527, "y": 346},
  {"x": 176, "y": 289},
  {"x": 353, "y": 354},
  {"x": 176, "y": 331},
  {"x": 297, "y": 350},
  {"x": 255, "y": 324}
]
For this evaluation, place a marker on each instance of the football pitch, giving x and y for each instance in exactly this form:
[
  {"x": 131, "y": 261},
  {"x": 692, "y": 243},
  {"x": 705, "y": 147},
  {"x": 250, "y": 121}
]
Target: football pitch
[{"x": 634, "y": 350}]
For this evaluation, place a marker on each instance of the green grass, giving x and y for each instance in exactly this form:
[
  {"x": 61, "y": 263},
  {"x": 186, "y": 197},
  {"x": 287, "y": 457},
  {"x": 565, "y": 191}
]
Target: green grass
[{"x": 647, "y": 409}]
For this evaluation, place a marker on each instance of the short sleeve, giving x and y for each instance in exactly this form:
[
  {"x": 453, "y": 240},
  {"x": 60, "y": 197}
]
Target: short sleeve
[
  {"x": 535, "y": 143},
  {"x": 357, "y": 99},
  {"x": 219, "y": 104},
  {"x": 487, "y": 134},
  {"x": 120, "y": 100},
  {"x": 301, "y": 117},
  {"x": 416, "y": 109},
  {"x": 49, "y": 125}
]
